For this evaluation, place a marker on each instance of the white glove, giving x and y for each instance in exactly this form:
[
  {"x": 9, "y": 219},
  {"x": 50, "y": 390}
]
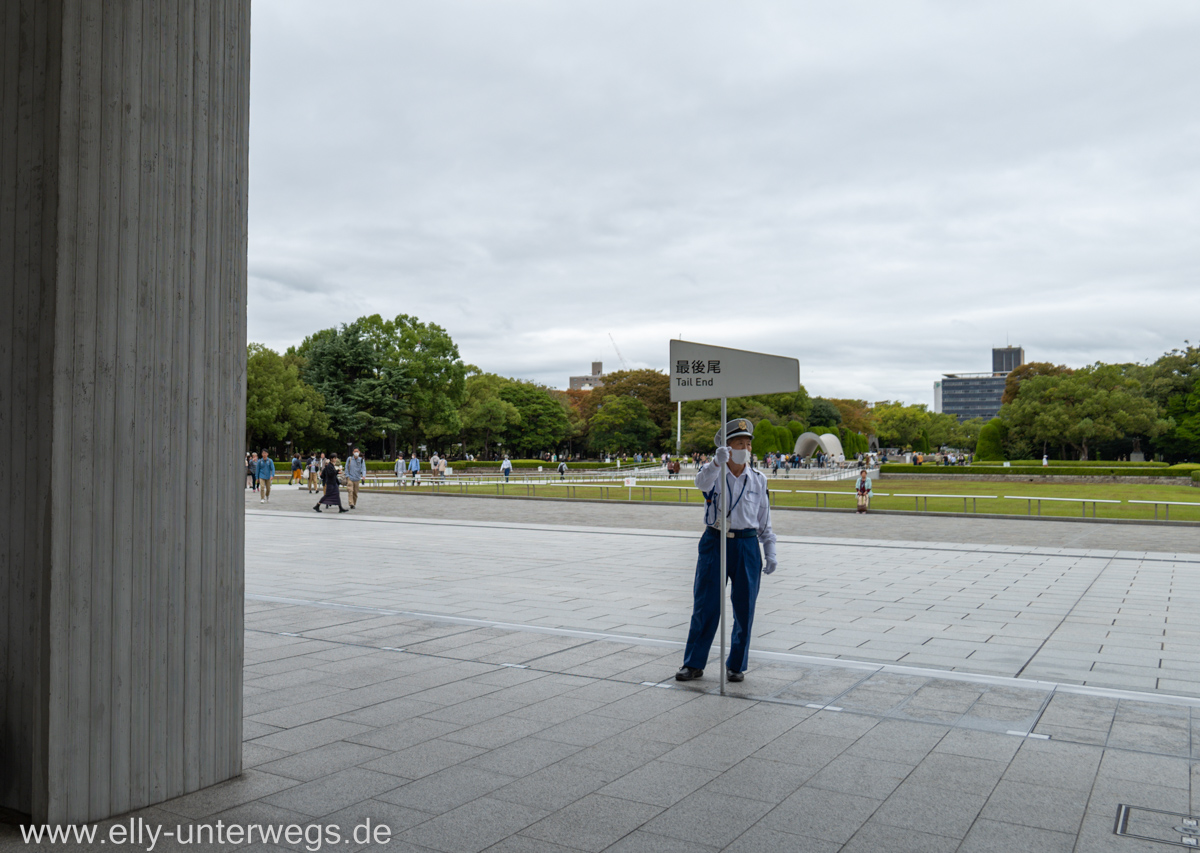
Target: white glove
[
  {"x": 771, "y": 566},
  {"x": 721, "y": 457}
]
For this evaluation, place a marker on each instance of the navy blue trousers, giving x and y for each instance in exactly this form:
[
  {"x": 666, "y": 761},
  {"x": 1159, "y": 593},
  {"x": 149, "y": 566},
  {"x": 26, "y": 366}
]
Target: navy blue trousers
[{"x": 744, "y": 569}]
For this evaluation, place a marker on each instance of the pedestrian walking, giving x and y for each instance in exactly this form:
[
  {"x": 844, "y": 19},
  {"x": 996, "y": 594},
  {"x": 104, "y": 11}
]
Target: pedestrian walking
[
  {"x": 333, "y": 495},
  {"x": 562, "y": 470},
  {"x": 264, "y": 470},
  {"x": 441, "y": 468},
  {"x": 297, "y": 467},
  {"x": 315, "y": 466},
  {"x": 749, "y": 512},
  {"x": 863, "y": 491},
  {"x": 356, "y": 470},
  {"x": 399, "y": 469},
  {"x": 414, "y": 469},
  {"x": 251, "y": 472},
  {"x": 506, "y": 468}
]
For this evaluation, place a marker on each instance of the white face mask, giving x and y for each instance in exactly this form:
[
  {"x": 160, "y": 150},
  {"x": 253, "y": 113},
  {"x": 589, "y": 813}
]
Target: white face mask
[
  {"x": 739, "y": 457},
  {"x": 356, "y": 454}
]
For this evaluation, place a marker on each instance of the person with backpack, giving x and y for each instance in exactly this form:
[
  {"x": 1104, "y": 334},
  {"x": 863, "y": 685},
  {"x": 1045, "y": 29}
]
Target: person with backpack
[{"x": 562, "y": 470}]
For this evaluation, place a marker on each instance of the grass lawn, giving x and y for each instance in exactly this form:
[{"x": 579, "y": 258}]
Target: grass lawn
[{"x": 803, "y": 493}]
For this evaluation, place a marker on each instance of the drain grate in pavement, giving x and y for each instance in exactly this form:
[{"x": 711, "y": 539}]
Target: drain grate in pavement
[{"x": 1180, "y": 830}]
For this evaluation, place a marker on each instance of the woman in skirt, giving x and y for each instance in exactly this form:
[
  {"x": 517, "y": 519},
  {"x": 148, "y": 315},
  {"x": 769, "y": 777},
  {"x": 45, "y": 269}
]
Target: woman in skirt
[{"x": 333, "y": 495}]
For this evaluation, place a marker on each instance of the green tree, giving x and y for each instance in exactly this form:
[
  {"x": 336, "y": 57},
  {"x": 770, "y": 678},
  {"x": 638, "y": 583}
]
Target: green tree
[
  {"x": 940, "y": 428},
  {"x": 901, "y": 425},
  {"x": 990, "y": 447},
  {"x": 280, "y": 406},
  {"x": 574, "y": 402},
  {"x": 699, "y": 429},
  {"x": 965, "y": 436},
  {"x": 427, "y": 354},
  {"x": 336, "y": 362},
  {"x": 399, "y": 378},
  {"x": 485, "y": 415},
  {"x": 1173, "y": 382},
  {"x": 767, "y": 439},
  {"x": 1028, "y": 371},
  {"x": 824, "y": 413},
  {"x": 543, "y": 425},
  {"x": 652, "y": 387},
  {"x": 856, "y": 416},
  {"x": 1093, "y": 404},
  {"x": 622, "y": 425},
  {"x": 1182, "y": 441}
]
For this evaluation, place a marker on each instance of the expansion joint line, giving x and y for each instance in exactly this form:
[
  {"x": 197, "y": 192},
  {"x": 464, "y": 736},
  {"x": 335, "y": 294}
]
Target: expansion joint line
[{"x": 1066, "y": 616}]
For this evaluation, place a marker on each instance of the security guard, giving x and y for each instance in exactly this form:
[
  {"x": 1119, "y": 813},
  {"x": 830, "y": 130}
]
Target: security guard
[{"x": 749, "y": 525}]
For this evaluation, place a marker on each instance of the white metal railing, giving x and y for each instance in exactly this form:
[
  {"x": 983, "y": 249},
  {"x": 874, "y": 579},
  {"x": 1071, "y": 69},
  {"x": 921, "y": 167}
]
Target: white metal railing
[
  {"x": 1167, "y": 504},
  {"x": 973, "y": 498},
  {"x": 1083, "y": 501}
]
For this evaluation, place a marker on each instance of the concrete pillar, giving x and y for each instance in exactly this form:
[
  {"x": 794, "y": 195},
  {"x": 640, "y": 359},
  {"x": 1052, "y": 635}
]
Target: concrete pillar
[{"x": 123, "y": 173}]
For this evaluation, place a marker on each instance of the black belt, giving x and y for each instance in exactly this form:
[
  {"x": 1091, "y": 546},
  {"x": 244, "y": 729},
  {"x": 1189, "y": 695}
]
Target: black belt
[{"x": 746, "y": 533}]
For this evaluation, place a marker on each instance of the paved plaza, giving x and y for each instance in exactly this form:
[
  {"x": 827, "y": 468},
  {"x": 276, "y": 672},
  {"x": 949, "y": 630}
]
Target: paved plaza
[{"x": 497, "y": 675}]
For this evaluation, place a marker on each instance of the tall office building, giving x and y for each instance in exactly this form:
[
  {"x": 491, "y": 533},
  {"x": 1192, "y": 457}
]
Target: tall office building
[
  {"x": 977, "y": 395},
  {"x": 1007, "y": 359}
]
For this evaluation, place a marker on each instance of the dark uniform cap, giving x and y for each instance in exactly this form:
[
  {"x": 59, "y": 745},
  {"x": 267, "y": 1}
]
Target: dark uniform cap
[{"x": 736, "y": 427}]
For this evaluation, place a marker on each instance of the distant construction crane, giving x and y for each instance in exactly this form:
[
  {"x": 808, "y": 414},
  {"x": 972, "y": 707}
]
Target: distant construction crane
[{"x": 624, "y": 363}]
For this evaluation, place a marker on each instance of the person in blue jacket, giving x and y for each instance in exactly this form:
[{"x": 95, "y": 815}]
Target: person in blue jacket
[
  {"x": 749, "y": 526},
  {"x": 264, "y": 470}
]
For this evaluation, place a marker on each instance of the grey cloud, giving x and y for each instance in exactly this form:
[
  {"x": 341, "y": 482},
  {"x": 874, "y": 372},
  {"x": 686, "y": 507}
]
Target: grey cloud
[{"x": 884, "y": 190}]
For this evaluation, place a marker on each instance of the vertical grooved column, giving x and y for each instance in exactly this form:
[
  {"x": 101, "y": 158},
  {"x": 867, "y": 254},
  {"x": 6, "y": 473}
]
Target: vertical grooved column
[{"x": 123, "y": 167}]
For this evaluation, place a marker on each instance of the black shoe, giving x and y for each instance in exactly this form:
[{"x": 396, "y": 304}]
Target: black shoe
[
  {"x": 686, "y": 673},
  {"x": 731, "y": 675},
  {"x": 317, "y": 508},
  {"x": 343, "y": 510}
]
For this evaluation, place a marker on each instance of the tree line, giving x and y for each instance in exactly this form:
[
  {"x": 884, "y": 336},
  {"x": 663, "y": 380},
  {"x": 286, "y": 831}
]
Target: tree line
[
  {"x": 400, "y": 385},
  {"x": 1101, "y": 411}
]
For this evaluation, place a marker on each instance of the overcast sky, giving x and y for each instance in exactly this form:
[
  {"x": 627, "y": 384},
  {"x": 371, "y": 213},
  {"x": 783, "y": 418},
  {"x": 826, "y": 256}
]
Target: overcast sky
[{"x": 882, "y": 190}]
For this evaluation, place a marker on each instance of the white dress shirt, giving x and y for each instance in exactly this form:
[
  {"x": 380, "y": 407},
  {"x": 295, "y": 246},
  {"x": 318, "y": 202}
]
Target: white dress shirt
[{"x": 749, "y": 503}]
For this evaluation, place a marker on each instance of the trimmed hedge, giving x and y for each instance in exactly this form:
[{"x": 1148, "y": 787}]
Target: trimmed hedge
[
  {"x": 1030, "y": 470},
  {"x": 1089, "y": 463}
]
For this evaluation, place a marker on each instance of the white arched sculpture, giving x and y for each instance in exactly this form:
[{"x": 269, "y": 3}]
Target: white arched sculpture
[{"x": 810, "y": 441}]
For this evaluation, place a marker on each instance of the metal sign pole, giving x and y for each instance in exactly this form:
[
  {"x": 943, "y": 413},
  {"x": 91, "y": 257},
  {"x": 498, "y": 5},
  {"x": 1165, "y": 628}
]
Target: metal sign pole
[
  {"x": 724, "y": 540},
  {"x": 679, "y": 428}
]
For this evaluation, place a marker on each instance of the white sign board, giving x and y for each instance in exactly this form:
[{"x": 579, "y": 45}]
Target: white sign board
[{"x": 704, "y": 372}]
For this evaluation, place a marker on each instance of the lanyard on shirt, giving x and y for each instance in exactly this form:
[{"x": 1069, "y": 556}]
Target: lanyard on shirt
[
  {"x": 710, "y": 500},
  {"x": 745, "y": 483}
]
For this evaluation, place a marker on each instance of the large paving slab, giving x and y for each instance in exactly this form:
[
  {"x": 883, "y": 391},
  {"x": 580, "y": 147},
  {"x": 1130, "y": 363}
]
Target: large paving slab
[
  {"x": 1088, "y": 616},
  {"x": 467, "y": 738},
  {"x": 505, "y": 685}
]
